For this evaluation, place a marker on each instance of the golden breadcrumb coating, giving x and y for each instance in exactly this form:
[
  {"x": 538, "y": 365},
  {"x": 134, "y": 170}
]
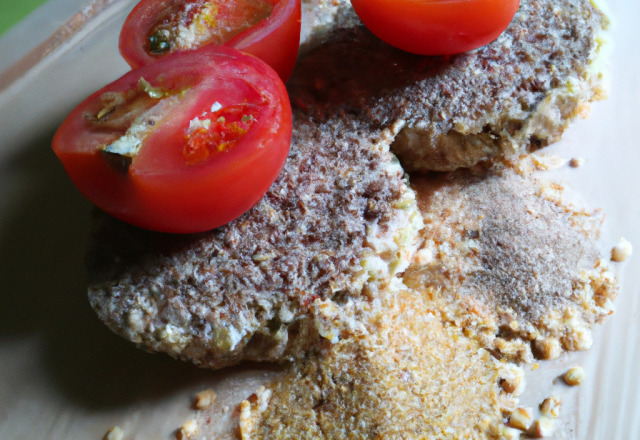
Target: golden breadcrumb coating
[{"x": 397, "y": 372}]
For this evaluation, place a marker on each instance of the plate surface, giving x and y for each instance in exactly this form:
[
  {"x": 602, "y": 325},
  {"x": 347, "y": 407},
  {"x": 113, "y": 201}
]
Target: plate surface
[{"x": 63, "y": 375}]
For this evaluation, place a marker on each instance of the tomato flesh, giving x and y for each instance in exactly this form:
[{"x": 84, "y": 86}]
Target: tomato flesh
[
  {"x": 198, "y": 23},
  {"x": 268, "y": 29},
  {"x": 183, "y": 145},
  {"x": 436, "y": 27},
  {"x": 217, "y": 132}
]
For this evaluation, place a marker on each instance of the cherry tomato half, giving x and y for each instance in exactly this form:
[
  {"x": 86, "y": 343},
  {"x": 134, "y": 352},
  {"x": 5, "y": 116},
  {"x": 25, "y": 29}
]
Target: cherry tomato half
[
  {"x": 268, "y": 29},
  {"x": 186, "y": 144},
  {"x": 436, "y": 27}
]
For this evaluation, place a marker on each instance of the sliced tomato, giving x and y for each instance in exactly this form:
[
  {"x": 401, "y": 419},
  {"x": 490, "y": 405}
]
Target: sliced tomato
[
  {"x": 186, "y": 144},
  {"x": 436, "y": 27},
  {"x": 268, "y": 29}
]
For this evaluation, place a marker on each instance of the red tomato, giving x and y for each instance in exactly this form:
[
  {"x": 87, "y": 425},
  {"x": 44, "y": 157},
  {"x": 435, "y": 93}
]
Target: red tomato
[
  {"x": 268, "y": 29},
  {"x": 186, "y": 144},
  {"x": 436, "y": 27}
]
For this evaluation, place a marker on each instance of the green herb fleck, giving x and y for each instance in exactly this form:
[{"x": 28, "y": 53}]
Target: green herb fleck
[{"x": 158, "y": 44}]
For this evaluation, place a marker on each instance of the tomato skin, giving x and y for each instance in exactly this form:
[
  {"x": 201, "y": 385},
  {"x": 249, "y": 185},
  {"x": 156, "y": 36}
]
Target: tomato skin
[
  {"x": 274, "y": 40},
  {"x": 436, "y": 27},
  {"x": 160, "y": 190}
]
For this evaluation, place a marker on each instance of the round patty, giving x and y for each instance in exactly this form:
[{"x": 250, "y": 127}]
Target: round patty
[
  {"x": 338, "y": 221},
  {"x": 514, "y": 95},
  {"x": 508, "y": 259}
]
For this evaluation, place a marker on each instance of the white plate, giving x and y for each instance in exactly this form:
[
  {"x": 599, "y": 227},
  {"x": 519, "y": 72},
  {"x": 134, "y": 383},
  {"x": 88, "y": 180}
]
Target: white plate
[{"x": 63, "y": 375}]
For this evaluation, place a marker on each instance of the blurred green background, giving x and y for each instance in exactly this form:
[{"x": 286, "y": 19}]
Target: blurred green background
[{"x": 12, "y": 11}]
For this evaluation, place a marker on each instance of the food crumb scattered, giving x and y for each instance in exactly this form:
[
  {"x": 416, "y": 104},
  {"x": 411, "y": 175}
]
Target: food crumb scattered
[
  {"x": 621, "y": 251},
  {"x": 424, "y": 257},
  {"x": 575, "y": 375},
  {"x": 115, "y": 433},
  {"x": 550, "y": 407},
  {"x": 507, "y": 433},
  {"x": 251, "y": 412},
  {"x": 521, "y": 418},
  {"x": 548, "y": 348},
  {"x": 204, "y": 399},
  {"x": 513, "y": 381},
  {"x": 576, "y": 162},
  {"x": 543, "y": 427},
  {"x": 188, "y": 430},
  {"x": 547, "y": 162}
]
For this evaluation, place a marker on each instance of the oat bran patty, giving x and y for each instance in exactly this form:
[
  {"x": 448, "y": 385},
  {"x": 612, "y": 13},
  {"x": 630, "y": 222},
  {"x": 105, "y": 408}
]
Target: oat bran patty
[
  {"x": 516, "y": 94},
  {"x": 338, "y": 221},
  {"x": 509, "y": 260}
]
